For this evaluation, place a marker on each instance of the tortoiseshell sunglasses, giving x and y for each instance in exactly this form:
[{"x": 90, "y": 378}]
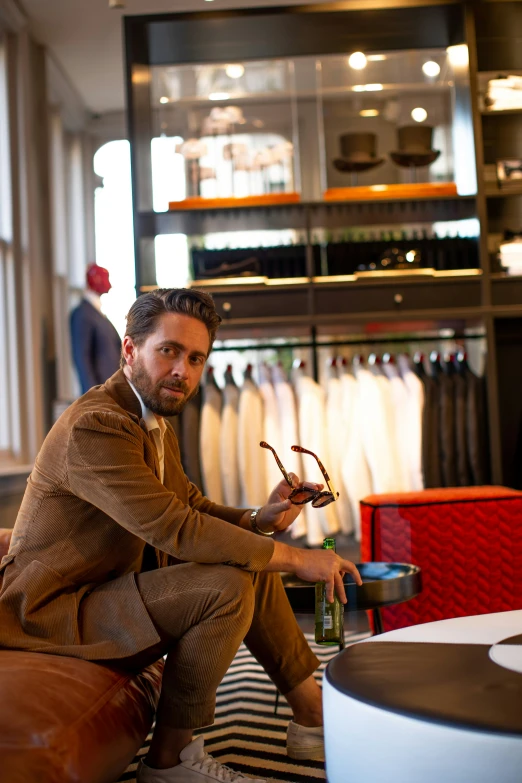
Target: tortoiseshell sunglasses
[{"x": 301, "y": 495}]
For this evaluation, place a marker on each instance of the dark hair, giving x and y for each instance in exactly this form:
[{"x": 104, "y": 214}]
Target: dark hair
[{"x": 149, "y": 307}]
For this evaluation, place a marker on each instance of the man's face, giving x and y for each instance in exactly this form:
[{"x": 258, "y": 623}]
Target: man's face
[{"x": 167, "y": 367}]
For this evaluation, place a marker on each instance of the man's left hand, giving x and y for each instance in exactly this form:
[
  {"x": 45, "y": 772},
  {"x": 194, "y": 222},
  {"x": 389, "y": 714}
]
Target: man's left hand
[{"x": 279, "y": 512}]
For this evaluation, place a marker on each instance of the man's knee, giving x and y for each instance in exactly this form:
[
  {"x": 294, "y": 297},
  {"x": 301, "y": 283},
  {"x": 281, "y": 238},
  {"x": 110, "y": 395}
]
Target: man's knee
[{"x": 237, "y": 589}]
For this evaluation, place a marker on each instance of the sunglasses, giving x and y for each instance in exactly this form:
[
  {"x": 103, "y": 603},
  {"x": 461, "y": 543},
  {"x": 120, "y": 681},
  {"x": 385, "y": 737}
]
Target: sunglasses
[{"x": 301, "y": 495}]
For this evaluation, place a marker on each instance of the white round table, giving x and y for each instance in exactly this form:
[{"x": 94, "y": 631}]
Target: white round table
[{"x": 433, "y": 703}]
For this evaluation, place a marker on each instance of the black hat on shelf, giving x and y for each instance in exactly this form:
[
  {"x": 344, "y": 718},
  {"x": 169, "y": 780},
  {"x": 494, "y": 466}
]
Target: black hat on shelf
[
  {"x": 415, "y": 146},
  {"x": 359, "y": 152}
]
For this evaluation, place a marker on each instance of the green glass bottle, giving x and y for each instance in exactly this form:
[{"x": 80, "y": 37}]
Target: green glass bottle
[{"x": 329, "y": 628}]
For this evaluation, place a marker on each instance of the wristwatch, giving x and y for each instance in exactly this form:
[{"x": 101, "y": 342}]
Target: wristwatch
[{"x": 255, "y": 527}]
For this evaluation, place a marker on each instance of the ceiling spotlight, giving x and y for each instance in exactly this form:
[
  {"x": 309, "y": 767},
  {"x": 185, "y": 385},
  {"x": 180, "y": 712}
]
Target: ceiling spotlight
[
  {"x": 359, "y": 88},
  {"x": 431, "y": 68},
  {"x": 373, "y": 87},
  {"x": 235, "y": 71},
  {"x": 116, "y": 4},
  {"x": 419, "y": 114},
  {"x": 369, "y": 113},
  {"x": 164, "y": 99},
  {"x": 374, "y": 58},
  {"x": 357, "y": 61},
  {"x": 218, "y": 96}
]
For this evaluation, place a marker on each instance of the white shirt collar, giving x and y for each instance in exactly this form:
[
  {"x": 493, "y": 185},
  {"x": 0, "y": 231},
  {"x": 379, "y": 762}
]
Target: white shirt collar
[
  {"x": 94, "y": 299},
  {"x": 149, "y": 418}
]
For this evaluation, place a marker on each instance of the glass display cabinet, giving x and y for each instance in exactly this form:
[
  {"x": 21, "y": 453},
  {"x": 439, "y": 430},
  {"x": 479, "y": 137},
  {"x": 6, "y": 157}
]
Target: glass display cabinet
[{"x": 280, "y": 146}]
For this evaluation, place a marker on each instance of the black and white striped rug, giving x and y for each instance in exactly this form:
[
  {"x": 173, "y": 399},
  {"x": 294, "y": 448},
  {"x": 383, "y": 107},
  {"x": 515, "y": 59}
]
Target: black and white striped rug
[{"x": 246, "y": 734}]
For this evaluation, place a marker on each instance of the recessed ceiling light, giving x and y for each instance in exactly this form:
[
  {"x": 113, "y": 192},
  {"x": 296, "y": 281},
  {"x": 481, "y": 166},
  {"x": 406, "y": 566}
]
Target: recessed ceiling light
[
  {"x": 373, "y": 87},
  {"x": 369, "y": 113},
  {"x": 359, "y": 88},
  {"x": 218, "y": 96},
  {"x": 164, "y": 99},
  {"x": 234, "y": 70},
  {"x": 357, "y": 61},
  {"x": 376, "y": 57},
  {"x": 419, "y": 114},
  {"x": 431, "y": 68}
]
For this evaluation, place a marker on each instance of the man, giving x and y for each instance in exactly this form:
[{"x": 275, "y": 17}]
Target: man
[{"x": 106, "y": 492}]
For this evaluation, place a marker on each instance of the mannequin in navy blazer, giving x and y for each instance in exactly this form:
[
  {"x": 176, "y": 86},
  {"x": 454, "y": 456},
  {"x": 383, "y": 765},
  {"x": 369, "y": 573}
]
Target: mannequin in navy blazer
[{"x": 96, "y": 345}]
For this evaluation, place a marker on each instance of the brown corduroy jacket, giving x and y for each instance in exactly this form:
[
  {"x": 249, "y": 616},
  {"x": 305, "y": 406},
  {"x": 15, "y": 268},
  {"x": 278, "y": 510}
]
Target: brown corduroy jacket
[{"x": 93, "y": 504}]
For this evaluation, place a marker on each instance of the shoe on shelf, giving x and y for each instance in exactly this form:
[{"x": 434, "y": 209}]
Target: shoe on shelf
[
  {"x": 196, "y": 767},
  {"x": 305, "y": 743}
]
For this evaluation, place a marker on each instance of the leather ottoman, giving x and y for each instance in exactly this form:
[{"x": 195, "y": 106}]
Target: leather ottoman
[
  {"x": 64, "y": 720},
  {"x": 467, "y": 541}
]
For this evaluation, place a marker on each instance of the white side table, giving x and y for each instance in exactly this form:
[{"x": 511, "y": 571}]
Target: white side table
[{"x": 433, "y": 703}]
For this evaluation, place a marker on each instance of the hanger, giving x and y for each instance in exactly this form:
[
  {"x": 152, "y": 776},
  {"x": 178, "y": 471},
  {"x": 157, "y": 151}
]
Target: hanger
[
  {"x": 229, "y": 377},
  {"x": 461, "y": 362},
  {"x": 210, "y": 379},
  {"x": 435, "y": 364},
  {"x": 449, "y": 364},
  {"x": 247, "y": 375},
  {"x": 418, "y": 365}
]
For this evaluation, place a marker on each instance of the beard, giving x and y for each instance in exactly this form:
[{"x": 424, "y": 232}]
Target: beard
[{"x": 151, "y": 395}]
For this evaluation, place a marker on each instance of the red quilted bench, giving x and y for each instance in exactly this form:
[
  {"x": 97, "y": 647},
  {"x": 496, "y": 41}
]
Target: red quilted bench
[{"x": 467, "y": 541}]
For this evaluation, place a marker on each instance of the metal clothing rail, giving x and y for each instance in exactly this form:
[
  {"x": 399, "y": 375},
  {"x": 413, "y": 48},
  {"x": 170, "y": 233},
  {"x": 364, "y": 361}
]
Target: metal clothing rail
[
  {"x": 354, "y": 341},
  {"x": 315, "y": 344}
]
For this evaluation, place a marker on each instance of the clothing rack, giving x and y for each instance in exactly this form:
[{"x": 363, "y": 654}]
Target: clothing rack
[{"x": 314, "y": 344}]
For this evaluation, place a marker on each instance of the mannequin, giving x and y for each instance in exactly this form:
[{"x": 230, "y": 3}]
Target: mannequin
[{"x": 96, "y": 345}]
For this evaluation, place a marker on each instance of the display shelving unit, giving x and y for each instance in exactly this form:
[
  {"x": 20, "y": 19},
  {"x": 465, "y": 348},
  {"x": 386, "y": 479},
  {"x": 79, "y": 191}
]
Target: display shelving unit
[{"x": 482, "y": 297}]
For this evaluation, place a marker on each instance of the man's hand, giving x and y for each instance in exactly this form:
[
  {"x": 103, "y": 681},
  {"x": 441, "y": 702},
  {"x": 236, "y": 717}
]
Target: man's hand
[
  {"x": 279, "y": 512},
  {"x": 319, "y": 565}
]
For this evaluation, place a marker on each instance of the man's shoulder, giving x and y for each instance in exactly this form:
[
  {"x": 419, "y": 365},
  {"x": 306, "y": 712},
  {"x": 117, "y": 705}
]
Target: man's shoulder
[{"x": 97, "y": 405}]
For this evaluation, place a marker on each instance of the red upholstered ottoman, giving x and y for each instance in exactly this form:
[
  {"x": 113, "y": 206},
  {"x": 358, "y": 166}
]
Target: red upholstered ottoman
[{"x": 467, "y": 541}]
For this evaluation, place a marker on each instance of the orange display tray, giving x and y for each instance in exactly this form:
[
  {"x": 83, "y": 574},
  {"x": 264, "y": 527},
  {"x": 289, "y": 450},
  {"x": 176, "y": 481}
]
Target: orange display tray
[
  {"x": 375, "y": 192},
  {"x": 266, "y": 200}
]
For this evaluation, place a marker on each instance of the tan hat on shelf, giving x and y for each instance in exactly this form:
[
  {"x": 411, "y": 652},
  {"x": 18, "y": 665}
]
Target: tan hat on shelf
[
  {"x": 415, "y": 146},
  {"x": 359, "y": 152}
]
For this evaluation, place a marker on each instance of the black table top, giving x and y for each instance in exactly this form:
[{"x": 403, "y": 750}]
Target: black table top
[{"x": 384, "y": 584}]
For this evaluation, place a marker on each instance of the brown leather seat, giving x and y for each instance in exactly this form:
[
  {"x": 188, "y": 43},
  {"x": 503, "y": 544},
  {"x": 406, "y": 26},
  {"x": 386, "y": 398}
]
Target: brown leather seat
[{"x": 64, "y": 720}]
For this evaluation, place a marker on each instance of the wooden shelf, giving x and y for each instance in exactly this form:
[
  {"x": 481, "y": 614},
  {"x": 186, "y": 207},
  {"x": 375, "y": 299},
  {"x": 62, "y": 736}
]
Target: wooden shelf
[
  {"x": 500, "y": 113},
  {"x": 491, "y": 192},
  {"x": 303, "y": 215}
]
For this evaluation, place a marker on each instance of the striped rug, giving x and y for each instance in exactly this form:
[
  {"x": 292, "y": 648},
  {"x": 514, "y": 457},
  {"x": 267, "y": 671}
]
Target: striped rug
[{"x": 246, "y": 734}]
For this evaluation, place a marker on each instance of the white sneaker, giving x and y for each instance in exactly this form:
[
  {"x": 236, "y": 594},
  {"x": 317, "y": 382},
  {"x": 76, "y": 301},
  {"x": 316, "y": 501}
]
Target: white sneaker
[
  {"x": 196, "y": 767},
  {"x": 303, "y": 742}
]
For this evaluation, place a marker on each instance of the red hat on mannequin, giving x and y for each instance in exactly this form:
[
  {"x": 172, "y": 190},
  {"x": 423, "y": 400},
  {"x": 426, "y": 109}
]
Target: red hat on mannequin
[{"x": 98, "y": 279}]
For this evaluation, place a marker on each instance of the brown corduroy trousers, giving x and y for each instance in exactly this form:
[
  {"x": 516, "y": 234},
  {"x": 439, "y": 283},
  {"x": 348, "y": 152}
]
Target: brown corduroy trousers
[{"x": 202, "y": 614}]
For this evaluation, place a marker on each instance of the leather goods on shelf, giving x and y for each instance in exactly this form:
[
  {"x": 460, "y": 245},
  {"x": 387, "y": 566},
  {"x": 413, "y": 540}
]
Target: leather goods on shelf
[
  {"x": 65, "y": 720},
  {"x": 468, "y": 542}
]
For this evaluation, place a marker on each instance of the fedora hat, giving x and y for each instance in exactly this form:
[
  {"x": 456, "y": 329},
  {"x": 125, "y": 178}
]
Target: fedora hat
[
  {"x": 359, "y": 152},
  {"x": 415, "y": 146}
]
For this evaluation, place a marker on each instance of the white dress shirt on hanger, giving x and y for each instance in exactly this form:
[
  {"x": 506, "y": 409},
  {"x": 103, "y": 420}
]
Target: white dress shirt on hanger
[
  {"x": 251, "y": 456},
  {"x": 337, "y": 436},
  {"x": 354, "y": 468},
  {"x": 375, "y": 431},
  {"x": 228, "y": 450},
  {"x": 401, "y": 411},
  {"x": 209, "y": 441},
  {"x": 289, "y": 436},
  {"x": 320, "y": 522},
  {"x": 271, "y": 427}
]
